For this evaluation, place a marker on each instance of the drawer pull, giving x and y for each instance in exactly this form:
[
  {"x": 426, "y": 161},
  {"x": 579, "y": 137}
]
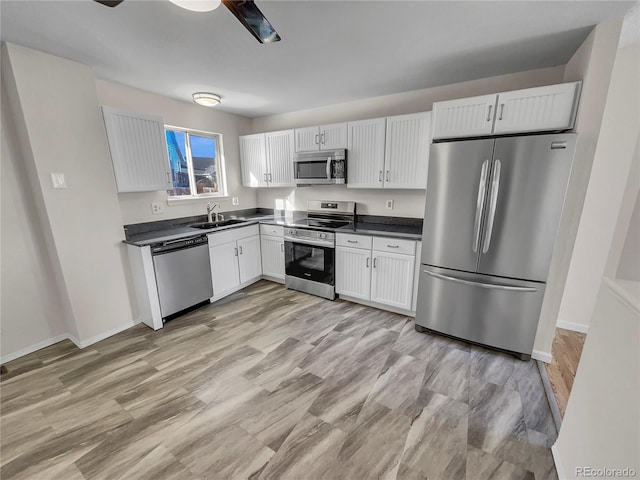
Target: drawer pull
[
  {"x": 393, "y": 246},
  {"x": 352, "y": 241}
]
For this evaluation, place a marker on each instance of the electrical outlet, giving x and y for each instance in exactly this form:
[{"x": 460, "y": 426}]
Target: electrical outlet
[
  {"x": 58, "y": 180},
  {"x": 389, "y": 204},
  {"x": 235, "y": 201},
  {"x": 157, "y": 208}
]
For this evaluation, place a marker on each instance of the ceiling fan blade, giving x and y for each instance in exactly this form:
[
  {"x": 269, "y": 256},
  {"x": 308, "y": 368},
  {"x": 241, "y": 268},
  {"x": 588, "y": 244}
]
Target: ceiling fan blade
[
  {"x": 252, "y": 18},
  {"x": 110, "y": 3}
]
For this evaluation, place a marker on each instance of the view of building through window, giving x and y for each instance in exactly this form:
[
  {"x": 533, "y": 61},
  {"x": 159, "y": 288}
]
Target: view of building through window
[{"x": 195, "y": 163}]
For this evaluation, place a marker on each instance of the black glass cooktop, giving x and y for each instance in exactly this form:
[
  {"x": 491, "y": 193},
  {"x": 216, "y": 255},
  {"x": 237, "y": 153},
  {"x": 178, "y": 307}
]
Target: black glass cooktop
[{"x": 319, "y": 224}]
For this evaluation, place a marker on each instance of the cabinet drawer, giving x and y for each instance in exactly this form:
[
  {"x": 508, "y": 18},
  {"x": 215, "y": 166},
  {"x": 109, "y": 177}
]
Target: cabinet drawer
[
  {"x": 394, "y": 245},
  {"x": 272, "y": 230},
  {"x": 226, "y": 236},
  {"x": 353, "y": 241}
]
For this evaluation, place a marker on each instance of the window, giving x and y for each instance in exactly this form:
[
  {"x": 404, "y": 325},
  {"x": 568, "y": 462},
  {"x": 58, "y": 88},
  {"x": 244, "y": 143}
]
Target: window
[{"x": 196, "y": 163}]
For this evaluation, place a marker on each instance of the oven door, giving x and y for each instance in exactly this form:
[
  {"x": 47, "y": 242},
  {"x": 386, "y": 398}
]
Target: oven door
[
  {"x": 310, "y": 261},
  {"x": 312, "y": 172}
]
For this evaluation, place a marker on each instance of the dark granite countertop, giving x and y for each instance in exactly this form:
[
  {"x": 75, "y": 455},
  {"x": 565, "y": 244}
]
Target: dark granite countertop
[
  {"x": 409, "y": 232},
  {"x": 153, "y": 232}
]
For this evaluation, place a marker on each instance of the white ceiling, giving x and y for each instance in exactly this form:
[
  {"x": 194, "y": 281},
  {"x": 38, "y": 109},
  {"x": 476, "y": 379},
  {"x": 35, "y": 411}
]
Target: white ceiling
[{"x": 331, "y": 51}]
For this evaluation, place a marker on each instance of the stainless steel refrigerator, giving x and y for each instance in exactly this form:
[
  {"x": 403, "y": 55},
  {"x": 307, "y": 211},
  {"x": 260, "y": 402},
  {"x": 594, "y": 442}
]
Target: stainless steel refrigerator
[{"x": 491, "y": 216}]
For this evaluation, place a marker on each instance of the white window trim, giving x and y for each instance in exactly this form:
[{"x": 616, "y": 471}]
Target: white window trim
[{"x": 222, "y": 180}]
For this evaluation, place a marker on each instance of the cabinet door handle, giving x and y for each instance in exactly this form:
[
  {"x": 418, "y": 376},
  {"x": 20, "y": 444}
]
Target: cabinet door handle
[
  {"x": 501, "y": 111},
  {"x": 169, "y": 178},
  {"x": 236, "y": 251},
  {"x": 393, "y": 246},
  {"x": 374, "y": 262},
  {"x": 322, "y": 137},
  {"x": 387, "y": 178},
  {"x": 380, "y": 176},
  {"x": 317, "y": 139},
  {"x": 265, "y": 177},
  {"x": 368, "y": 262},
  {"x": 270, "y": 178},
  {"x": 489, "y": 113},
  {"x": 240, "y": 249},
  {"x": 282, "y": 247}
]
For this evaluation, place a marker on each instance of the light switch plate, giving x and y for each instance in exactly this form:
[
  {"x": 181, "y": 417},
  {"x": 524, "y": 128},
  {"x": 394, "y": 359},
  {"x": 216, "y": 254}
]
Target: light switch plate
[
  {"x": 58, "y": 180},
  {"x": 235, "y": 201},
  {"x": 389, "y": 204}
]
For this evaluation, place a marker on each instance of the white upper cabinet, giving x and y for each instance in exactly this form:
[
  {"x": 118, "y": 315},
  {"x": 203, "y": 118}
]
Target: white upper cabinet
[
  {"x": 365, "y": 153},
  {"x": 279, "y": 149},
  {"x": 324, "y": 137},
  {"x": 407, "y": 151},
  {"x": 540, "y": 109},
  {"x": 333, "y": 136},
  {"x": 465, "y": 117},
  {"x": 138, "y": 151},
  {"x": 307, "y": 139},
  {"x": 552, "y": 107},
  {"x": 267, "y": 159},
  {"x": 254, "y": 160}
]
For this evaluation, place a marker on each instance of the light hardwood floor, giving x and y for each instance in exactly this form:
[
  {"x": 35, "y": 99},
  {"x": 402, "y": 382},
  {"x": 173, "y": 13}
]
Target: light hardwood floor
[
  {"x": 566, "y": 350},
  {"x": 271, "y": 383}
]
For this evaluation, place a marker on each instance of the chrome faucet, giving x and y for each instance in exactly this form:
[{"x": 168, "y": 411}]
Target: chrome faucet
[{"x": 210, "y": 213}]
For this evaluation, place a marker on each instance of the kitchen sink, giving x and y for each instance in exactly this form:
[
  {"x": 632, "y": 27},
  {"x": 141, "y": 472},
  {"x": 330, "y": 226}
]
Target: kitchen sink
[{"x": 221, "y": 223}]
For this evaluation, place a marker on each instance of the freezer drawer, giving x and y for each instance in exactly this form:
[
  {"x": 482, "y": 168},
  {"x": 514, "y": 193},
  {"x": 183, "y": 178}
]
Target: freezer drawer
[{"x": 488, "y": 310}]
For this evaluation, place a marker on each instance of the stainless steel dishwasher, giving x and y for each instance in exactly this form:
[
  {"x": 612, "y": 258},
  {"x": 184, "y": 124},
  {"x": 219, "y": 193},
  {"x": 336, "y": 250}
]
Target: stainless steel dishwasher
[{"x": 183, "y": 273}]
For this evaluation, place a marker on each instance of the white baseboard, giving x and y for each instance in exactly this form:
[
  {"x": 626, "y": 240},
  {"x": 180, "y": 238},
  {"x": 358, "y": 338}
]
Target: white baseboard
[
  {"x": 32, "y": 348},
  {"x": 556, "y": 459},
  {"x": 408, "y": 313},
  {"x": 103, "y": 335},
  {"x": 80, "y": 344},
  {"x": 272, "y": 279},
  {"x": 576, "y": 327},
  {"x": 542, "y": 356}
]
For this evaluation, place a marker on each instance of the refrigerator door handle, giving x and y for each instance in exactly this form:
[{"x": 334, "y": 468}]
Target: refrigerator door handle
[
  {"x": 480, "y": 284},
  {"x": 482, "y": 188},
  {"x": 493, "y": 201}
]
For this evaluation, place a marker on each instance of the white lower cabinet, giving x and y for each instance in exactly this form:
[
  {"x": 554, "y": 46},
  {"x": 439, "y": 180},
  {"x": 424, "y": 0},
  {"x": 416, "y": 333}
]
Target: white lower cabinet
[
  {"x": 392, "y": 279},
  {"x": 272, "y": 256},
  {"x": 249, "y": 262},
  {"x": 235, "y": 259},
  {"x": 375, "y": 275},
  {"x": 225, "y": 271},
  {"x": 353, "y": 272}
]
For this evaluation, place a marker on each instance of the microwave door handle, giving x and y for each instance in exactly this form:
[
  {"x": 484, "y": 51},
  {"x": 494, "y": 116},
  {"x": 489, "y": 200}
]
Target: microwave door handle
[{"x": 329, "y": 168}]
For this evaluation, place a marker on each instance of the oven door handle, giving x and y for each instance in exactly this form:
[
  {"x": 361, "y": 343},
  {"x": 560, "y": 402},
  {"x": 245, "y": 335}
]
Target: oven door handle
[
  {"x": 306, "y": 241},
  {"x": 329, "y": 168}
]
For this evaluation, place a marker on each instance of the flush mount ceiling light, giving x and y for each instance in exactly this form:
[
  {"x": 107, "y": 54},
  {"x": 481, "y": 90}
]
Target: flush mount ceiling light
[
  {"x": 197, "y": 5},
  {"x": 206, "y": 99}
]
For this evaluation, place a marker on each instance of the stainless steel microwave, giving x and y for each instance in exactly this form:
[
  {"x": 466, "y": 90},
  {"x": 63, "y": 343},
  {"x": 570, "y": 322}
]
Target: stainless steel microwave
[{"x": 325, "y": 167}]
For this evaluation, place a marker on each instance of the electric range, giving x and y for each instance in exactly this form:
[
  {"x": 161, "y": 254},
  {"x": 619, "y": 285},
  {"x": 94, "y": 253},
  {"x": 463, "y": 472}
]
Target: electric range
[{"x": 309, "y": 246}]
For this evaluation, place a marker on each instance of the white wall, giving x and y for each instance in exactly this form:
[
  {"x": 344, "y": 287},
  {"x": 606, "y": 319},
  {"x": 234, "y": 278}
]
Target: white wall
[
  {"x": 407, "y": 203},
  {"x": 592, "y": 63},
  {"x": 601, "y": 427},
  {"x": 614, "y": 152},
  {"x": 31, "y": 312},
  {"x": 56, "y": 114},
  {"x": 629, "y": 266},
  {"x": 136, "y": 207}
]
